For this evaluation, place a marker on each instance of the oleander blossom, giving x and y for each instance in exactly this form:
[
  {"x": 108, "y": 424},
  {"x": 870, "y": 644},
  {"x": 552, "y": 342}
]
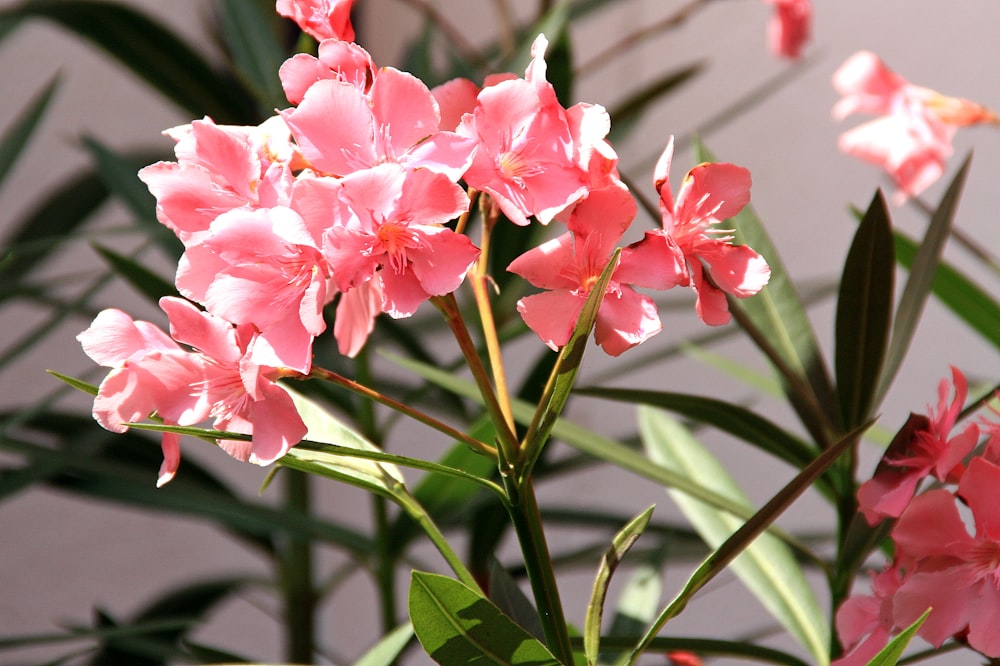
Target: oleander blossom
[
  {"x": 924, "y": 447},
  {"x": 323, "y": 19},
  {"x": 692, "y": 243},
  {"x": 911, "y": 139},
  {"x": 790, "y": 27},
  {"x": 216, "y": 379}
]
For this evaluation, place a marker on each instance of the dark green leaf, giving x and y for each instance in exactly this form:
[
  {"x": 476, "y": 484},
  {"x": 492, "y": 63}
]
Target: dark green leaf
[
  {"x": 864, "y": 307},
  {"x": 966, "y": 299},
  {"x": 511, "y": 599},
  {"x": 250, "y": 32},
  {"x": 456, "y": 625},
  {"x": 625, "y": 116},
  {"x": 145, "y": 281},
  {"x": 737, "y": 421},
  {"x": 19, "y": 133},
  {"x": 152, "y": 51},
  {"x": 119, "y": 175}
]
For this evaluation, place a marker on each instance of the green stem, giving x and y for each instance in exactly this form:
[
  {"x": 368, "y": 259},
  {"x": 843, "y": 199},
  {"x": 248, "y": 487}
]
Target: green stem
[
  {"x": 296, "y": 575},
  {"x": 527, "y": 521}
]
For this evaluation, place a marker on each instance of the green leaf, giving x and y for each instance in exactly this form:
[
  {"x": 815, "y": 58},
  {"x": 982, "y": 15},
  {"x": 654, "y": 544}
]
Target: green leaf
[
  {"x": 639, "y": 601},
  {"x": 145, "y": 281},
  {"x": 388, "y": 649},
  {"x": 559, "y": 62},
  {"x": 627, "y": 114},
  {"x": 891, "y": 653},
  {"x": 120, "y": 177},
  {"x": 918, "y": 286},
  {"x": 958, "y": 293},
  {"x": 153, "y": 52},
  {"x": 560, "y": 383},
  {"x": 864, "y": 307},
  {"x": 20, "y": 130},
  {"x": 456, "y": 625},
  {"x": 251, "y": 36},
  {"x": 766, "y": 566},
  {"x": 508, "y": 596},
  {"x": 777, "y": 313},
  {"x": 620, "y": 545},
  {"x": 737, "y": 421}
]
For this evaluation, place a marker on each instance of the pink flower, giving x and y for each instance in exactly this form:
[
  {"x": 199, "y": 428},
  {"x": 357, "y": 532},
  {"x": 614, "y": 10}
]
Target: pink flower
[
  {"x": 790, "y": 27},
  {"x": 389, "y": 227},
  {"x": 866, "y": 623},
  {"x": 911, "y": 140},
  {"x": 921, "y": 448},
  {"x": 526, "y": 159},
  {"x": 220, "y": 168},
  {"x": 951, "y": 571},
  {"x": 341, "y": 61},
  {"x": 397, "y": 121},
  {"x": 152, "y": 373},
  {"x": 568, "y": 267},
  {"x": 323, "y": 19},
  {"x": 691, "y": 246},
  {"x": 262, "y": 268}
]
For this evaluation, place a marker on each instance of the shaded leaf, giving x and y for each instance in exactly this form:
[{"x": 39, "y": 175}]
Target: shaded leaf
[
  {"x": 918, "y": 285},
  {"x": 864, "y": 307},
  {"x": 149, "y": 49},
  {"x": 456, "y": 625},
  {"x": 251, "y": 36},
  {"x": 145, "y": 281},
  {"x": 766, "y": 566},
  {"x": 511, "y": 600},
  {"x": 23, "y": 126},
  {"x": 626, "y": 115}
]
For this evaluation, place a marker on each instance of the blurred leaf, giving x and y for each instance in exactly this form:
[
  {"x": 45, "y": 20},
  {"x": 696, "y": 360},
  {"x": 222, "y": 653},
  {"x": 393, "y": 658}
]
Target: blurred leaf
[
  {"x": 777, "y": 313},
  {"x": 891, "y": 653},
  {"x": 145, "y": 281},
  {"x": 249, "y": 29},
  {"x": 627, "y": 114},
  {"x": 765, "y": 566},
  {"x": 388, "y": 649},
  {"x": 119, "y": 175},
  {"x": 152, "y": 51},
  {"x": 456, "y": 625},
  {"x": 190, "y": 603},
  {"x": 735, "y": 420},
  {"x": 864, "y": 308},
  {"x": 62, "y": 212},
  {"x": 620, "y": 545},
  {"x": 638, "y": 602},
  {"x": 23, "y": 126},
  {"x": 558, "y": 58},
  {"x": 957, "y": 292}
]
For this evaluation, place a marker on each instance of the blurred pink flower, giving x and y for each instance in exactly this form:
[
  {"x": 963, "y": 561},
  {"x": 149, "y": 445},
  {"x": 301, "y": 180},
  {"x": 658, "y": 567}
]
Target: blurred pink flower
[
  {"x": 323, "y": 19},
  {"x": 921, "y": 448},
  {"x": 709, "y": 194},
  {"x": 912, "y": 138},
  {"x": 790, "y": 27},
  {"x": 865, "y": 623}
]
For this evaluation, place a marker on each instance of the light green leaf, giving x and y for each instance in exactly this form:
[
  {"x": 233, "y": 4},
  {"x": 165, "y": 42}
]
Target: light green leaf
[
  {"x": 457, "y": 625},
  {"x": 620, "y": 545},
  {"x": 766, "y": 567},
  {"x": 890, "y": 654},
  {"x": 387, "y": 650}
]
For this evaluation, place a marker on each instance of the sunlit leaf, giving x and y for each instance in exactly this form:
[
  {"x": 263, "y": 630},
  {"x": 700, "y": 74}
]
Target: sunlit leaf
[
  {"x": 387, "y": 650},
  {"x": 891, "y": 653},
  {"x": 456, "y": 625},
  {"x": 767, "y": 567}
]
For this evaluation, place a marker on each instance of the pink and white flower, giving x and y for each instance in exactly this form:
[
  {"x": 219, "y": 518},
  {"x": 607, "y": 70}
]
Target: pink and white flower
[{"x": 323, "y": 19}]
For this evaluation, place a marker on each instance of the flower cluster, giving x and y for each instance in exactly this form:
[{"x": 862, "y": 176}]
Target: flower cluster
[
  {"x": 349, "y": 195},
  {"x": 937, "y": 563},
  {"x": 911, "y": 138}
]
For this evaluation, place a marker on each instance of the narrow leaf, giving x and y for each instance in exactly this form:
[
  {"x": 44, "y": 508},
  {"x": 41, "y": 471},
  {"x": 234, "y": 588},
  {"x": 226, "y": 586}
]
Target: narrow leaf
[
  {"x": 627, "y": 114},
  {"x": 767, "y": 567},
  {"x": 864, "y": 305},
  {"x": 387, "y": 650},
  {"x": 918, "y": 286},
  {"x": 250, "y": 34},
  {"x": 145, "y": 281},
  {"x": 457, "y": 625},
  {"x": 21, "y": 129},
  {"x": 891, "y": 653},
  {"x": 154, "y": 53},
  {"x": 620, "y": 545}
]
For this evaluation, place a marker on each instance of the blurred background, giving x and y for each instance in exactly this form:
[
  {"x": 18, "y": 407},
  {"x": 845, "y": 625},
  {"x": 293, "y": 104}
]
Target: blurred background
[{"x": 62, "y": 554}]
